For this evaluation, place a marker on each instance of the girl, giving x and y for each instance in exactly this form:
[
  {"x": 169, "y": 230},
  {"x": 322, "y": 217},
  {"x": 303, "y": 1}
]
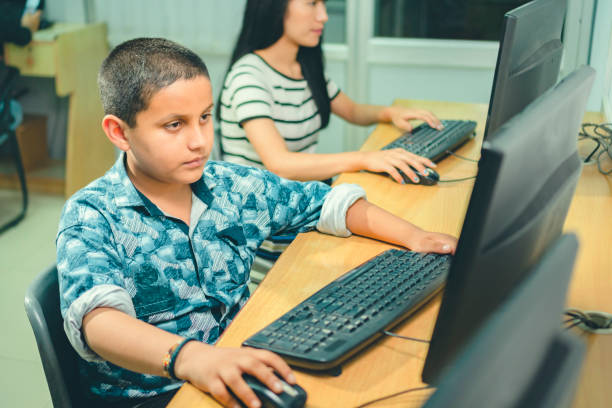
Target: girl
[{"x": 276, "y": 99}]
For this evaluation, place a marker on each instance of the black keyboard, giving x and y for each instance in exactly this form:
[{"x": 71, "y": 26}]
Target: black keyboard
[
  {"x": 351, "y": 312},
  {"x": 435, "y": 144}
]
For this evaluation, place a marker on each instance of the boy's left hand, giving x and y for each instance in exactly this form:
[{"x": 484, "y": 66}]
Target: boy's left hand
[{"x": 433, "y": 242}]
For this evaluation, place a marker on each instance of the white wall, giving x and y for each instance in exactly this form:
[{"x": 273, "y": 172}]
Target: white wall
[
  {"x": 72, "y": 11},
  {"x": 332, "y": 138},
  {"x": 607, "y": 105},
  {"x": 600, "y": 55},
  {"x": 607, "y": 88},
  {"x": 210, "y": 27},
  {"x": 430, "y": 83}
]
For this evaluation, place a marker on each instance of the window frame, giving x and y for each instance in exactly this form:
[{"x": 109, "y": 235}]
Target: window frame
[{"x": 363, "y": 50}]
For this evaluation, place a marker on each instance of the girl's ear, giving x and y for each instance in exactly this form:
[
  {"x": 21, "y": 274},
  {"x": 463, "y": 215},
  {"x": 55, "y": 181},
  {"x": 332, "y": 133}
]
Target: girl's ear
[{"x": 115, "y": 131}]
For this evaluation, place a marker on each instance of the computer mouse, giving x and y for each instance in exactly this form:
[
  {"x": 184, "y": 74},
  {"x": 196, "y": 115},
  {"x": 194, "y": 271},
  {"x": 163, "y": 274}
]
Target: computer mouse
[
  {"x": 293, "y": 396},
  {"x": 429, "y": 179}
]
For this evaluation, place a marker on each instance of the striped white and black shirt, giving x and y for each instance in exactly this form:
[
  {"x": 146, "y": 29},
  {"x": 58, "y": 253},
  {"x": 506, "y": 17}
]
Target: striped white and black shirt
[{"x": 253, "y": 89}]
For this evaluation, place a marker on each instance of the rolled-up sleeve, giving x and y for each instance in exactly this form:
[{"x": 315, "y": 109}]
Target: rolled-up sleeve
[
  {"x": 333, "y": 214},
  {"x": 99, "y": 296}
]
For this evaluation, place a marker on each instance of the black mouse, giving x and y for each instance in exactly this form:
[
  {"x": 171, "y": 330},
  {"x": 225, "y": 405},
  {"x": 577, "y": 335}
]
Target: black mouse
[
  {"x": 293, "y": 396},
  {"x": 429, "y": 179}
]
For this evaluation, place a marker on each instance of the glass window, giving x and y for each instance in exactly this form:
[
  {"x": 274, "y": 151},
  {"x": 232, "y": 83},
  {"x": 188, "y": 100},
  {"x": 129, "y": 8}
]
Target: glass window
[{"x": 442, "y": 19}]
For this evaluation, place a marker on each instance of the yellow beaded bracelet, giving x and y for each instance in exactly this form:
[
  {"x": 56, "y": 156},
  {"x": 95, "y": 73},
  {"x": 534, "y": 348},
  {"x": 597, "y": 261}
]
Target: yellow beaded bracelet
[{"x": 170, "y": 357}]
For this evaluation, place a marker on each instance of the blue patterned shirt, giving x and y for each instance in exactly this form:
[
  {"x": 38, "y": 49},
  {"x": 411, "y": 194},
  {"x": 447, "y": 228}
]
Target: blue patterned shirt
[{"x": 115, "y": 248}]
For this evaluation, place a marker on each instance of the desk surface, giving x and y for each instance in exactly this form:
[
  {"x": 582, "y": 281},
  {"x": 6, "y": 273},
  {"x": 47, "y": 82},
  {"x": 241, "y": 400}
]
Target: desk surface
[{"x": 392, "y": 365}]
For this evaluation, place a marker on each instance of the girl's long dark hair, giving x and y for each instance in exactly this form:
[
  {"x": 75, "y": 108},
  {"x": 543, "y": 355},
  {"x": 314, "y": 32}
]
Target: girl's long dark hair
[{"x": 262, "y": 26}]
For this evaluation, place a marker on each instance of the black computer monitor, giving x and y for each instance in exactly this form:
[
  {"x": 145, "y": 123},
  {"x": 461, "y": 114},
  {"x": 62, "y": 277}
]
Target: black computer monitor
[
  {"x": 520, "y": 357},
  {"x": 527, "y": 175},
  {"x": 528, "y": 60}
]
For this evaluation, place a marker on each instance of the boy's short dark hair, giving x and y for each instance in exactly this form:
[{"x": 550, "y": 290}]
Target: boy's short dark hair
[{"x": 136, "y": 69}]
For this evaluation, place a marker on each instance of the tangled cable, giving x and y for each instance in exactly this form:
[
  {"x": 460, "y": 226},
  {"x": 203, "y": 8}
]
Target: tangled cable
[
  {"x": 601, "y": 134},
  {"x": 593, "y": 321}
]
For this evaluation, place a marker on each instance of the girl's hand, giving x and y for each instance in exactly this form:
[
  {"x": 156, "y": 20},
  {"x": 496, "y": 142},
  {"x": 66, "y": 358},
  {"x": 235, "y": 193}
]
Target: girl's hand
[
  {"x": 401, "y": 117},
  {"x": 389, "y": 161},
  {"x": 214, "y": 369}
]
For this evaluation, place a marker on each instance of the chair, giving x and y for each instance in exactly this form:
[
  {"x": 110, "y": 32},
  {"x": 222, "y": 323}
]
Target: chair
[
  {"x": 8, "y": 138},
  {"x": 60, "y": 361}
]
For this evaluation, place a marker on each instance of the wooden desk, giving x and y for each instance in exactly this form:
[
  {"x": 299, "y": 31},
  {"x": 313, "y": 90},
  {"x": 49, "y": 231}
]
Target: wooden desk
[
  {"x": 590, "y": 218},
  {"x": 72, "y": 54},
  {"x": 392, "y": 365}
]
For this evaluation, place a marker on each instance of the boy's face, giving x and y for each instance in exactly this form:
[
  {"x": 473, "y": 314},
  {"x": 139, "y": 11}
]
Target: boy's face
[{"x": 173, "y": 137}]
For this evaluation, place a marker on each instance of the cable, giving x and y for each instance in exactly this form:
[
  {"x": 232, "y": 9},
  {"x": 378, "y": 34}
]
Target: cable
[
  {"x": 459, "y": 179},
  {"x": 393, "y": 395},
  {"x": 592, "y": 321},
  {"x": 601, "y": 134},
  {"x": 399, "y": 336},
  {"x": 455, "y": 180},
  {"x": 576, "y": 323},
  {"x": 595, "y": 320},
  {"x": 461, "y": 157},
  {"x": 571, "y": 322},
  {"x": 391, "y": 334}
]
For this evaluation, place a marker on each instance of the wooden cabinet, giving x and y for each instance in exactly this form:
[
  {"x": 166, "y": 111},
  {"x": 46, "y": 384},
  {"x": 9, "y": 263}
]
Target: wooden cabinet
[{"x": 72, "y": 54}]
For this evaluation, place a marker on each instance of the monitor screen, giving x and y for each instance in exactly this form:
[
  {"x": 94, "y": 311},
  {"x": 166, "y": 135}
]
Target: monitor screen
[
  {"x": 528, "y": 60},
  {"x": 519, "y": 358},
  {"x": 527, "y": 175}
]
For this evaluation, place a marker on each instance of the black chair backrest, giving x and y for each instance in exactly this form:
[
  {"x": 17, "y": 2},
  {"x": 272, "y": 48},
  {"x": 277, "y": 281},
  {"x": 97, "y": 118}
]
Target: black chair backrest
[
  {"x": 60, "y": 361},
  {"x": 8, "y": 78},
  {"x": 8, "y": 139}
]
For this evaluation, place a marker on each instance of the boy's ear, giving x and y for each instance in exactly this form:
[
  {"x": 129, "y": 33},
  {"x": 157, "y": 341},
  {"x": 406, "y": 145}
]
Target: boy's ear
[{"x": 115, "y": 131}]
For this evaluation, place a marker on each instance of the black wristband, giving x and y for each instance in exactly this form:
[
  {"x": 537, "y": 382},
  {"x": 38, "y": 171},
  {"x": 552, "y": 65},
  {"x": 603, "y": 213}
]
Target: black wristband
[{"x": 175, "y": 354}]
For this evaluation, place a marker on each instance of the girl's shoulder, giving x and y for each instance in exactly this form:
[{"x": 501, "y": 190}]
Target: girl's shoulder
[
  {"x": 250, "y": 63},
  {"x": 249, "y": 68},
  {"x": 258, "y": 66}
]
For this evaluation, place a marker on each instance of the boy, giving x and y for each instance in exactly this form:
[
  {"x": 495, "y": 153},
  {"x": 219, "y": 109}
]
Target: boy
[{"x": 157, "y": 251}]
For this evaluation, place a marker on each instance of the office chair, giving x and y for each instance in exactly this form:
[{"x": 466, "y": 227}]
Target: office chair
[
  {"x": 8, "y": 138},
  {"x": 60, "y": 361}
]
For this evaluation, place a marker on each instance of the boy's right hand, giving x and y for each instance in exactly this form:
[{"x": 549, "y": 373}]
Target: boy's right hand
[
  {"x": 213, "y": 369},
  {"x": 435, "y": 242}
]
